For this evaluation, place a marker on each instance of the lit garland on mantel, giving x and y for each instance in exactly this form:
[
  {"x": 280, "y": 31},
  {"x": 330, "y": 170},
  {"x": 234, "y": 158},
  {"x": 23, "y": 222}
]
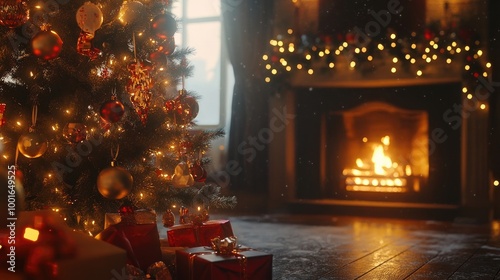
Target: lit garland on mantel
[
  {"x": 411, "y": 55},
  {"x": 432, "y": 53}
]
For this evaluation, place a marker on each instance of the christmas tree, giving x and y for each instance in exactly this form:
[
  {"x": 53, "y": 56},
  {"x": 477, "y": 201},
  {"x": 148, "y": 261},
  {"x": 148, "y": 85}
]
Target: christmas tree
[{"x": 91, "y": 113}]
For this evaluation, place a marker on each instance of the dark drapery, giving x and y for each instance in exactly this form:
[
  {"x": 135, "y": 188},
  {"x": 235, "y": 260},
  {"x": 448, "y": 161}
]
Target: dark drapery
[{"x": 247, "y": 25}]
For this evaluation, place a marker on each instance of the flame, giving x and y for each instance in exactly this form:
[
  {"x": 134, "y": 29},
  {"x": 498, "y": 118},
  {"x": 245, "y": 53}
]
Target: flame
[
  {"x": 380, "y": 160},
  {"x": 367, "y": 175}
]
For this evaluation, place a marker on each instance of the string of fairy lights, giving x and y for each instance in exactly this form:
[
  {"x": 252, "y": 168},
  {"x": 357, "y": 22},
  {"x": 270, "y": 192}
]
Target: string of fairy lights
[{"x": 287, "y": 57}]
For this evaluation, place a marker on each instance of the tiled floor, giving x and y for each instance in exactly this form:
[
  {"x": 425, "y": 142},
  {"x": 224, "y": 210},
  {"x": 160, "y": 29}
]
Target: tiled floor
[{"x": 314, "y": 247}]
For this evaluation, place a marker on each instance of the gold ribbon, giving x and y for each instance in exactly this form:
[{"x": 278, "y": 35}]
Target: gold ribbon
[{"x": 242, "y": 259}]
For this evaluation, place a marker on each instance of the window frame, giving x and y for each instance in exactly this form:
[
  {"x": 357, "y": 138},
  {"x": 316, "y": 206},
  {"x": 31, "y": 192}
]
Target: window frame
[{"x": 224, "y": 61}]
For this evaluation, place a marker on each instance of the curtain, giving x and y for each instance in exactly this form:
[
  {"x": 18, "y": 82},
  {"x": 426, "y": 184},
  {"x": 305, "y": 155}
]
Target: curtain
[{"x": 247, "y": 30}]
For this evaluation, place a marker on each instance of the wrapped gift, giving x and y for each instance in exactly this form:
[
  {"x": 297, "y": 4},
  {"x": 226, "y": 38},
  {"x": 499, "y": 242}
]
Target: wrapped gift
[
  {"x": 202, "y": 263},
  {"x": 90, "y": 259},
  {"x": 140, "y": 216},
  {"x": 191, "y": 235},
  {"x": 138, "y": 237}
]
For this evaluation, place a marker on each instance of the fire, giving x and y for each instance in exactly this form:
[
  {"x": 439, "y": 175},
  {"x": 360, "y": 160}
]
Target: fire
[{"x": 379, "y": 172}]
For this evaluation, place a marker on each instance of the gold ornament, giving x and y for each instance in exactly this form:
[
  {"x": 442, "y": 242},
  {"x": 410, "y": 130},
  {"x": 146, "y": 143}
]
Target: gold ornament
[
  {"x": 32, "y": 145},
  {"x": 182, "y": 177},
  {"x": 114, "y": 182},
  {"x": 131, "y": 12},
  {"x": 46, "y": 44}
]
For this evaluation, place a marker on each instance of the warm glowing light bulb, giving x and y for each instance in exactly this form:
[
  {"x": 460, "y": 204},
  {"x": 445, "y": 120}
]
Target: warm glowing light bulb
[
  {"x": 369, "y": 58},
  {"x": 393, "y": 36},
  {"x": 419, "y": 73},
  {"x": 393, "y": 70},
  {"x": 469, "y": 96},
  {"x": 467, "y": 67},
  {"x": 488, "y": 65},
  {"x": 413, "y": 46},
  {"x": 357, "y": 50},
  {"x": 352, "y": 64},
  {"x": 299, "y": 66},
  {"x": 310, "y": 71},
  {"x": 321, "y": 54},
  {"x": 31, "y": 234},
  {"x": 308, "y": 57},
  {"x": 274, "y": 71},
  {"x": 496, "y": 183},
  {"x": 395, "y": 60},
  {"x": 482, "y": 106},
  {"x": 331, "y": 65},
  {"x": 380, "y": 47},
  {"x": 448, "y": 60},
  {"x": 290, "y": 31},
  {"x": 265, "y": 57}
]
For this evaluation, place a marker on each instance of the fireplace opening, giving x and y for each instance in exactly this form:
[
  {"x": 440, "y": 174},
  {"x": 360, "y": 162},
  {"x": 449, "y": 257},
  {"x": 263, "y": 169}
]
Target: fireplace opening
[
  {"x": 375, "y": 143},
  {"x": 386, "y": 149}
]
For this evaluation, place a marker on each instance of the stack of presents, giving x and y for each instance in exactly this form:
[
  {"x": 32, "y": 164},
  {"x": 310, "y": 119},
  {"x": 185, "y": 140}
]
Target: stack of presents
[{"x": 130, "y": 248}]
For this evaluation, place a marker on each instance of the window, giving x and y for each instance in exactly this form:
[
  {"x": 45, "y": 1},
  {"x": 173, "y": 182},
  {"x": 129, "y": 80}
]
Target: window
[{"x": 201, "y": 29}]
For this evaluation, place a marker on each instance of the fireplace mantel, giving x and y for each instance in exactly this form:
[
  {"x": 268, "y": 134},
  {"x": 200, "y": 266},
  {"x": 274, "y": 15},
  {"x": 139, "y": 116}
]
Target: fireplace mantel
[{"x": 371, "y": 83}]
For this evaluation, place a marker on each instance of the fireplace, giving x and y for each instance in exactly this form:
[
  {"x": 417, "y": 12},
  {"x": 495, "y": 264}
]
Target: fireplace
[
  {"x": 382, "y": 144},
  {"x": 386, "y": 148}
]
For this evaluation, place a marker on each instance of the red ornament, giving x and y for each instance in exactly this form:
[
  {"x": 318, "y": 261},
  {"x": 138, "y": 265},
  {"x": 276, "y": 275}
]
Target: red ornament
[
  {"x": 167, "y": 47},
  {"x": 183, "y": 109},
  {"x": 199, "y": 173},
  {"x": 126, "y": 209},
  {"x": 112, "y": 111},
  {"x": 428, "y": 34},
  {"x": 158, "y": 58},
  {"x": 46, "y": 44},
  {"x": 75, "y": 132},
  {"x": 13, "y": 13},
  {"x": 190, "y": 109},
  {"x": 164, "y": 26},
  {"x": 2, "y": 113}
]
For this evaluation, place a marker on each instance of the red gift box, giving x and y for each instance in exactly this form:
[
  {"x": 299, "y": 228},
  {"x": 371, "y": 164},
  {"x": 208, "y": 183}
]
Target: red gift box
[
  {"x": 201, "y": 263},
  {"x": 141, "y": 241},
  {"x": 194, "y": 236}
]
